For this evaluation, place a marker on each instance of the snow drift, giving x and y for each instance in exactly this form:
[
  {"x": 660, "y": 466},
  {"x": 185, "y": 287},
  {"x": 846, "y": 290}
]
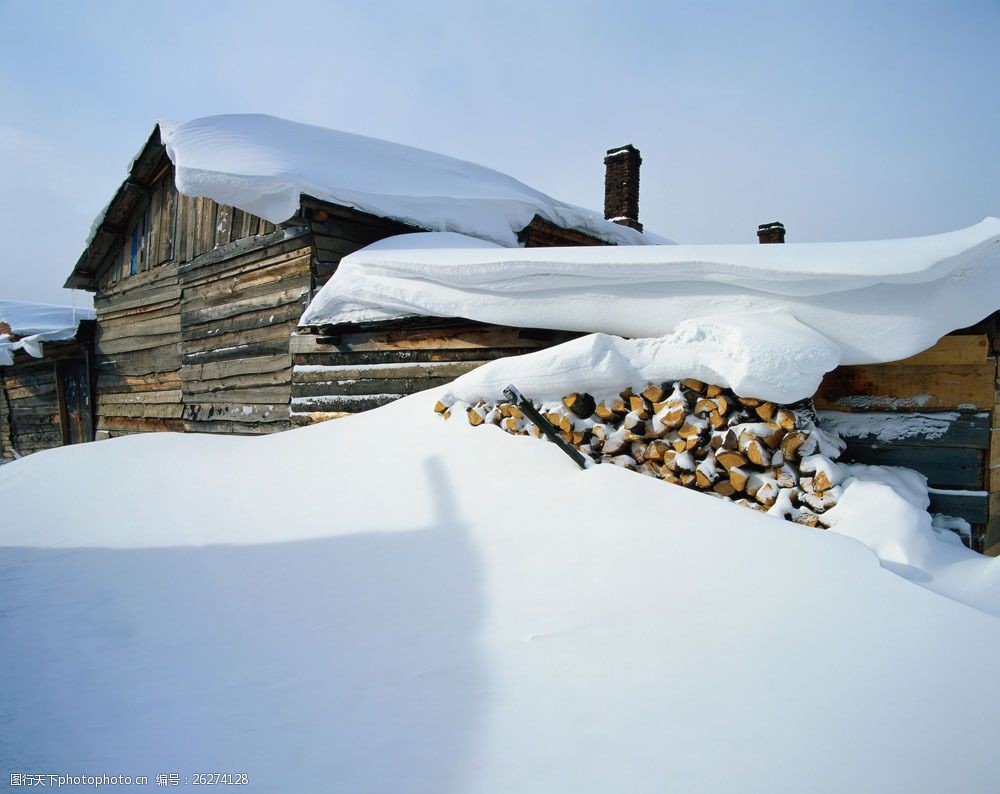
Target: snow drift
[
  {"x": 394, "y": 603},
  {"x": 263, "y": 165},
  {"x": 34, "y": 324},
  {"x": 868, "y": 301}
]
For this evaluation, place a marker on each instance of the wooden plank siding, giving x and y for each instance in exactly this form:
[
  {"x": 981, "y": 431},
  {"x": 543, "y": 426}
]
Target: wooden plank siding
[
  {"x": 344, "y": 374},
  {"x": 955, "y": 383},
  {"x": 241, "y": 303}
]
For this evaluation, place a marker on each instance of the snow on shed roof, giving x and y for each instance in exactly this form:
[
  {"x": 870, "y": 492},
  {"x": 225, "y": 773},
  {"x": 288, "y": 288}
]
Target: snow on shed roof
[
  {"x": 33, "y": 323},
  {"x": 872, "y": 301},
  {"x": 263, "y": 164}
]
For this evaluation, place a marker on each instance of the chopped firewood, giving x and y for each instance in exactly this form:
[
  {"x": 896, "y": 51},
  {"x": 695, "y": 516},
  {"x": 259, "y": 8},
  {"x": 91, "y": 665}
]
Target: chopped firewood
[
  {"x": 692, "y": 427},
  {"x": 724, "y": 404},
  {"x": 581, "y": 405},
  {"x": 731, "y": 440},
  {"x": 704, "y": 406},
  {"x": 512, "y": 425},
  {"x": 770, "y": 433},
  {"x": 766, "y": 411},
  {"x": 476, "y": 416},
  {"x": 807, "y": 519},
  {"x": 685, "y": 461},
  {"x": 638, "y": 450},
  {"x": 738, "y": 477},
  {"x": 749, "y": 402},
  {"x": 750, "y": 446},
  {"x": 620, "y": 406},
  {"x": 687, "y": 479},
  {"x": 806, "y": 484},
  {"x": 693, "y": 385},
  {"x": 728, "y": 458},
  {"x": 649, "y": 469},
  {"x": 446, "y": 414},
  {"x": 702, "y": 480},
  {"x": 655, "y": 451},
  {"x": 785, "y": 418},
  {"x": 669, "y": 476},
  {"x": 536, "y": 431},
  {"x": 777, "y": 458},
  {"x": 724, "y": 487},
  {"x": 632, "y": 421},
  {"x": 603, "y": 411},
  {"x": 785, "y": 476},
  {"x": 566, "y": 423},
  {"x": 821, "y": 481},
  {"x": 791, "y": 443},
  {"x": 654, "y": 393},
  {"x": 692, "y": 442},
  {"x": 716, "y": 420},
  {"x": 680, "y": 444},
  {"x": 640, "y": 406},
  {"x": 440, "y": 407},
  {"x": 713, "y": 391},
  {"x": 615, "y": 443},
  {"x": 624, "y": 461},
  {"x": 767, "y": 493}
]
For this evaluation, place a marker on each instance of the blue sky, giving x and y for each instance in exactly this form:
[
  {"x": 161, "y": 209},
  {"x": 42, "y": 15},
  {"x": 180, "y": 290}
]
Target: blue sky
[{"x": 844, "y": 120}]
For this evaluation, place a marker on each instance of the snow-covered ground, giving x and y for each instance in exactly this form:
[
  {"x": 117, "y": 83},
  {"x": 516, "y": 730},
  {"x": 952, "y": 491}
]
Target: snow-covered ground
[{"x": 394, "y": 603}]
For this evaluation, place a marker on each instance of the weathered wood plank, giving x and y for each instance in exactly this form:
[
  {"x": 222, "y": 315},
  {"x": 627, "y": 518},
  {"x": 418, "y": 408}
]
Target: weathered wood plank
[
  {"x": 972, "y": 506},
  {"x": 342, "y": 403},
  {"x": 235, "y": 412},
  {"x": 334, "y": 357},
  {"x": 908, "y": 388},
  {"x": 275, "y": 395},
  {"x": 952, "y": 350},
  {"x": 240, "y": 304},
  {"x": 945, "y": 429},
  {"x": 106, "y": 399},
  {"x": 236, "y": 339},
  {"x": 944, "y": 467},
  {"x": 121, "y": 424},
  {"x": 232, "y": 368},
  {"x": 130, "y": 344},
  {"x": 270, "y": 348},
  {"x": 449, "y": 370},
  {"x": 431, "y": 339},
  {"x": 367, "y": 386},
  {"x": 283, "y": 315}
]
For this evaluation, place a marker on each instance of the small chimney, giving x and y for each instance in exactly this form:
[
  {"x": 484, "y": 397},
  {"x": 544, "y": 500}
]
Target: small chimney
[
  {"x": 771, "y": 233},
  {"x": 621, "y": 186}
]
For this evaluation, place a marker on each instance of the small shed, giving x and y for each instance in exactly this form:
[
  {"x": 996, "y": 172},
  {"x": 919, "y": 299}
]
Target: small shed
[
  {"x": 46, "y": 377},
  {"x": 937, "y": 412}
]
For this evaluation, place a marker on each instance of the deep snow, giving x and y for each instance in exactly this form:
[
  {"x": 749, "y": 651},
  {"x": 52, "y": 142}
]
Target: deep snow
[{"x": 391, "y": 602}]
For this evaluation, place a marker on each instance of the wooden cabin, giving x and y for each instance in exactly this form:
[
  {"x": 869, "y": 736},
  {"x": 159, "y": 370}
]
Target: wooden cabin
[
  {"x": 46, "y": 402},
  {"x": 197, "y": 301}
]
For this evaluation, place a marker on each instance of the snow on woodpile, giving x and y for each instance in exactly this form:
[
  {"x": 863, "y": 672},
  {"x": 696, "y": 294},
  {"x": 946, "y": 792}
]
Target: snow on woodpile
[
  {"x": 873, "y": 301},
  {"x": 26, "y": 326},
  {"x": 759, "y": 454},
  {"x": 390, "y": 602},
  {"x": 263, "y": 165}
]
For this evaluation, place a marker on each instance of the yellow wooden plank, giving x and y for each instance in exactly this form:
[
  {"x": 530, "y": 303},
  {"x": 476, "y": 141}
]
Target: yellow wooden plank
[
  {"x": 971, "y": 349},
  {"x": 908, "y": 387}
]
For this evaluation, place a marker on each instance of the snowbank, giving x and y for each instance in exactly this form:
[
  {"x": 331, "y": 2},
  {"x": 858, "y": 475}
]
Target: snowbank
[
  {"x": 35, "y": 323},
  {"x": 875, "y": 301},
  {"x": 770, "y": 356},
  {"x": 391, "y": 602},
  {"x": 263, "y": 164}
]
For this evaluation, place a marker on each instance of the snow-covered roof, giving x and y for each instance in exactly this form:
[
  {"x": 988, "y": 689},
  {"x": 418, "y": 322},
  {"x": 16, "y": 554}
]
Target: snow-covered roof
[
  {"x": 870, "y": 301},
  {"x": 24, "y": 326},
  {"x": 264, "y": 164}
]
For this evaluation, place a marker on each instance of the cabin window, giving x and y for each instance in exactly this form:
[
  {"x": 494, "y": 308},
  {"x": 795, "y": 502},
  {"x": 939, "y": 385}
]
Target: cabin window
[{"x": 133, "y": 266}]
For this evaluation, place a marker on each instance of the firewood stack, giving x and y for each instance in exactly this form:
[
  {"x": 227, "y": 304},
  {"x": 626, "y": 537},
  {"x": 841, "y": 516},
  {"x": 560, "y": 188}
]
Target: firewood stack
[{"x": 759, "y": 454}]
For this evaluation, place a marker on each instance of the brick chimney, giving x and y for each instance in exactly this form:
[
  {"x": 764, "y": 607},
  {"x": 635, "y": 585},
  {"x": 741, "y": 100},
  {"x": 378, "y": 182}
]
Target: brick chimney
[
  {"x": 771, "y": 233},
  {"x": 621, "y": 186}
]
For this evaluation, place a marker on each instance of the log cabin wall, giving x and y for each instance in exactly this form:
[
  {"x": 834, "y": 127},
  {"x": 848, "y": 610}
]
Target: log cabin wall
[
  {"x": 337, "y": 374},
  {"x": 30, "y": 407},
  {"x": 937, "y": 413},
  {"x": 165, "y": 242},
  {"x": 46, "y": 402},
  {"x": 240, "y": 305}
]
